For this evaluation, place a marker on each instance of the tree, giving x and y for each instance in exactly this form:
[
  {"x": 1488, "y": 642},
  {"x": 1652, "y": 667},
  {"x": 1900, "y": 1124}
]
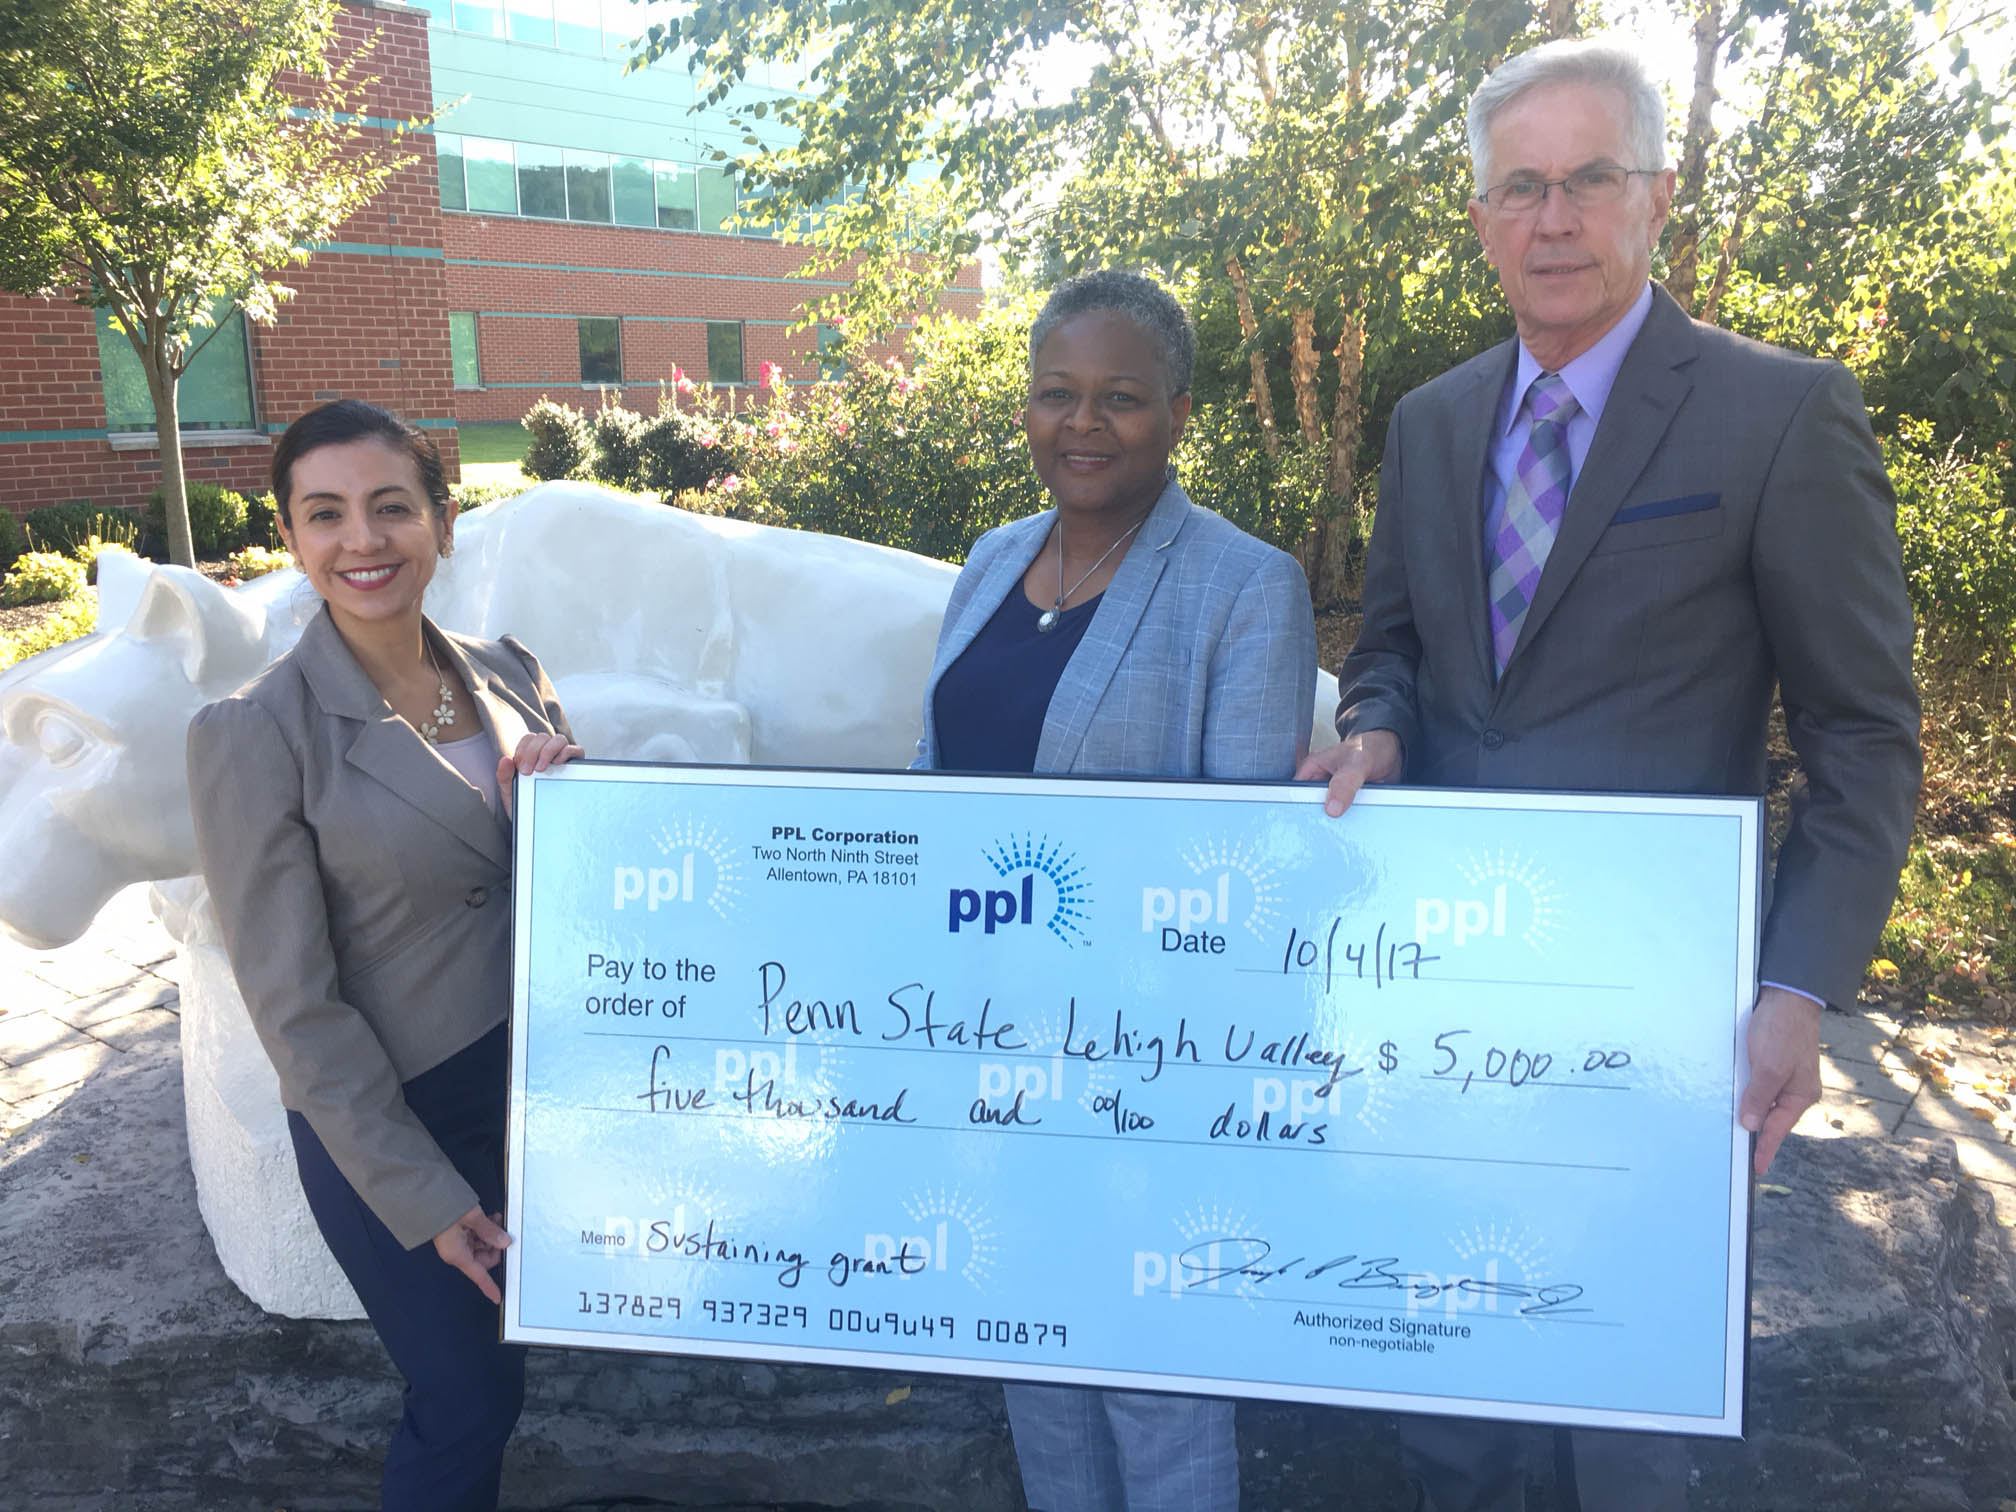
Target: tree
[
  {"x": 1302, "y": 159},
  {"x": 160, "y": 159}
]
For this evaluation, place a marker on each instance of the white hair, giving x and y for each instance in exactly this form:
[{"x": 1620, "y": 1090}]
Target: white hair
[{"x": 1575, "y": 60}]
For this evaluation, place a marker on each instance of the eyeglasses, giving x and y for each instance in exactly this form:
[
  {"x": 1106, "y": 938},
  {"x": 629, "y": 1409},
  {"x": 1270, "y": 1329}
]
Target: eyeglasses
[{"x": 1585, "y": 187}]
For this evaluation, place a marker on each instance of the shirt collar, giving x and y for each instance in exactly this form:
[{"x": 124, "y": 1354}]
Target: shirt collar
[{"x": 1589, "y": 377}]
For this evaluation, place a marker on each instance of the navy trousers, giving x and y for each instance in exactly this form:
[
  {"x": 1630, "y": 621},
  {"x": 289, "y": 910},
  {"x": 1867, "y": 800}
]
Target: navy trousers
[{"x": 464, "y": 1389}]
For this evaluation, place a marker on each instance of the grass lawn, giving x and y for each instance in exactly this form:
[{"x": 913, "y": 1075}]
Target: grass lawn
[{"x": 491, "y": 452}]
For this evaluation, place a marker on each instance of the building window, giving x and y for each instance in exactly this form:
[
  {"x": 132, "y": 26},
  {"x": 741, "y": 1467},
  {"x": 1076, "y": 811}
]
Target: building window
[
  {"x": 462, "y": 347},
  {"x": 448, "y": 163},
  {"x": 492, "y": 178},
  {"x": 215, "y": 393},
  {"x": 675, "y": 197},
  {"x": 831, "y": 364},
  {"x": 531, "y": 21},
  {"x": 485, "y": 17},
  {"x": 542, "y": 182},
  {"x": 636, "y": 204},
  {"x": 724, "y": 351},
  {"x": 580, "y": 25},
  {"x": 601, "y": 348},
  {"x": 588, "y": 186},
  {"x": 717, "y": 196},
  {"x": 440, "y": 10}
]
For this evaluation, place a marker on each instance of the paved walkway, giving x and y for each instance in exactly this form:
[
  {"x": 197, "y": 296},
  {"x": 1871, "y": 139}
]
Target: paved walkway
[{"x": 66, "y": 1014}]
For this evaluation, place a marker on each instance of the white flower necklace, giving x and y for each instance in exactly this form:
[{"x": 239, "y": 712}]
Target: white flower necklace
[{"x": 444, "y": 711}]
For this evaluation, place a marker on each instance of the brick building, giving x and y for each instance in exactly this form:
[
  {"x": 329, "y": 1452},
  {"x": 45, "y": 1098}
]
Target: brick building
[{"x": 564, "y": 228}]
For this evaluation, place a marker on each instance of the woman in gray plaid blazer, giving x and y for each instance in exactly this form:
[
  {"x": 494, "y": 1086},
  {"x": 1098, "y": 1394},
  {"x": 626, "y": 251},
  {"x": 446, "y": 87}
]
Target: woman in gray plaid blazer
[{"x": 1125, "y": 632}]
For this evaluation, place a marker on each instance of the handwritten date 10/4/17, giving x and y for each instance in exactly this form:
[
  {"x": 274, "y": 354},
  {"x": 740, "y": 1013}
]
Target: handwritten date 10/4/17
[{"x": 1379, "y": 961}]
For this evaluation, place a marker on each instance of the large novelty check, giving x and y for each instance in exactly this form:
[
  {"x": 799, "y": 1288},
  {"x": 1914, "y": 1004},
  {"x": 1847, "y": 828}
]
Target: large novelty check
[{"x": 1164, "y": 1086}]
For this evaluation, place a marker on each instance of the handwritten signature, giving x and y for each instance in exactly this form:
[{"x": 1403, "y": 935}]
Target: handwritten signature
[{"x": 1211, "y": 1260}]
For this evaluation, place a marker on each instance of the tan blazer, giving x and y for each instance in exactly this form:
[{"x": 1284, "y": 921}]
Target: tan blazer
[{"x": 363, "y": 891}]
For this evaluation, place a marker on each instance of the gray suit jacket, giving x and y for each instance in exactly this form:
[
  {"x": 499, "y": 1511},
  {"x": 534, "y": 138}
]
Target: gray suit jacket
[
  {"x": 1200, "y": 660},
  {"x": 1731, "y": 529},
  {"x": 363, "y": 892}
]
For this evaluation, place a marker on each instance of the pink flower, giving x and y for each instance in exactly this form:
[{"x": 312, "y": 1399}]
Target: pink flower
[
  {"x": 771, "y": 375},
  {"x": 706, "y": 440},
  {"x": 684, "y": 385},
  {"x": 730, "y": 483},
  {"x": 773, "y": 430}
]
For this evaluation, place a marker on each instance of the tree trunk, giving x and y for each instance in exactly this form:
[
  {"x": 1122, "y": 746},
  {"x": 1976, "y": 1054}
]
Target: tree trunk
[
  {"x": 1327, "y": 558},
  {"x": 1684, "y": 266},
  {"x": 161, "y": 386},
  {"x": 1303, "y": 374},
  {"x": 1560, "y": 19},
  {"x": 1256, "y": 360}
]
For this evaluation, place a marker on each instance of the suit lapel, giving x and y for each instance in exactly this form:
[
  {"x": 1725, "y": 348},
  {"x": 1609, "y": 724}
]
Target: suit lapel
[
  {"x": 1114, "y": 622},
  {"x": 500, "y": 710},
  {"x": 1649, "y": 389},
  {"x": 995, "y": 585},
  {"x": 1475, "y": 426},
  {"x": 388, "y": 750}
]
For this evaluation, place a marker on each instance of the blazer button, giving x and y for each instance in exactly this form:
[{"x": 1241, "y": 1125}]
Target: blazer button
[
  {"x": 1493, "y": 739},
  {"x": 478, "y": 896}
]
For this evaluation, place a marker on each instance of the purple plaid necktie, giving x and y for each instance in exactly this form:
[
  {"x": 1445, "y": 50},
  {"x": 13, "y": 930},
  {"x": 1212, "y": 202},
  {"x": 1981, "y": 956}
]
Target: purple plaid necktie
[{"x": 1519, "y": 530}]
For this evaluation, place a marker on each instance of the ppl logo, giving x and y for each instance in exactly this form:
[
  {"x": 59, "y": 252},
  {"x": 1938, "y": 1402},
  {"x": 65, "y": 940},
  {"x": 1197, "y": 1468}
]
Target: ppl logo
[
  {"x": 1041, "y": 884},
  {"x": 699, "y": 867}
]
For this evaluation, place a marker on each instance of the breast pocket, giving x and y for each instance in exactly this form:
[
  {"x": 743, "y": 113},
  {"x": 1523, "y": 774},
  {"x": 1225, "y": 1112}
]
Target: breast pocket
[{"x": 1662, "y": 522}]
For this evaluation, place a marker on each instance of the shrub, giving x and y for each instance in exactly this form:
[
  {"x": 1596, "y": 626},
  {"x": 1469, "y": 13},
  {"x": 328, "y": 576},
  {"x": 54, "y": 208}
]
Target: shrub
[
  {"x": 678, "y": 452},
  {"x": 256, "y": 561},
  {"x": 1224, "y": 466},
  {"x": 78, "y": 617},
  {"x": 562, "y": 442},
  {"x": 1959, "y": 542},
  {"x": 262, "y": 521},
  {"x": 616, "y": 459},
  {"x": 468, "y": 496},
  {"x": 61, "y": 528},
  {"x": 217, "y": 518},
  {"x": 42, "y": 577},
  {"x": 10, "y": 538}
]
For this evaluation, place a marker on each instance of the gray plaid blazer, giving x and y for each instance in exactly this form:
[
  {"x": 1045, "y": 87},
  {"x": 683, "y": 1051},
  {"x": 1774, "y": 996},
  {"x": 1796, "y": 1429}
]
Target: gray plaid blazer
[{"x": 1200, "y": 660}]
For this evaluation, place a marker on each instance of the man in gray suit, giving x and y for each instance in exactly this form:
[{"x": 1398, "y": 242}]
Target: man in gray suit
[{"x": 1598, "y": 549}]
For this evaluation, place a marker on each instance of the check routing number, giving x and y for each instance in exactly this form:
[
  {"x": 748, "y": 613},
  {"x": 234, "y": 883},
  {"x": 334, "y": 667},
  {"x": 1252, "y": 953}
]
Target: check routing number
[{"x": 1155, "y": 1085}]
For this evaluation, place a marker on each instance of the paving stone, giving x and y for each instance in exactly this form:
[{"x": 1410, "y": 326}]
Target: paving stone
[
  {"x": 27, "y": 1037},
  {"x": 144, "y": 991},
  {"x": 148, "y": 1023},
  {"x": 58, "y": 1069},
  {"x": 21, "y": 992},
  {"x": 84, "y": 968},
  {"x": 1889, "y": 1081},
  {"x": 1855, "y": 1036},
  {"x": 1985, "y": 1153},
  {"x": 1844, "y": 1114}
]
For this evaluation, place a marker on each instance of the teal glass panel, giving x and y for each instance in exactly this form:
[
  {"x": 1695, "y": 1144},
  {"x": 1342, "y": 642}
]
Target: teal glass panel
[
  {"x": 717, "y": 196},
  {"x": 542, "y": 182},
  {"x": 724, "y": 351},
  {"x": 215, "y": 392},
  {"x": 448, "y": 164},
  {"x": 440, "y": 10},
  {"x": 491, "y": 174},
  {"x": 675, "y": 197},
  {"x": 588, "y": 187},
  {"x": 636, "y": 200},
  {"x": 462, "y": 347},
  {"x": 620, "y": 22},
  {"x": 601, "y": 349},
  {"x": 531, "y": 21},
  {"x": 831, "y": 365},
  {"x": 579, "y": 24},
  {"x": 477, "y": 16}
]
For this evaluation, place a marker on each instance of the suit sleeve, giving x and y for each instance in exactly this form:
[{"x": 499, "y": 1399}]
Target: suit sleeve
[
  {"x": 259, "y": 859},
  {"x": 1263, "y": 677},
  {"x": 549, "y": 701},
  {"x": 1376, "y": 682},
  {"x": 1830, "y": 590}
]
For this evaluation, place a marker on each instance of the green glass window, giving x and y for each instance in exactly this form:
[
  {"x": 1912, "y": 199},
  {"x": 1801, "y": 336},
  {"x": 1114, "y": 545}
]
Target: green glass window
[
  {"x": 717, "y": 196},
  {"x": 675, "y": 196},
  {"x": 440, "y": 10},
  {"x": 215, "y": 393},
  {"x": 448, "y": 163},
  {"x": 479, "y": 16},
  {"x": 588, "y": 186},
  {"x": 531, "y": 21},
  {"x": 636, "y": 201},
  {"x": 831, "y": 364},
  {"x": 601, "y": 348},
  {"x": 542, "y": 182},
  {"x": 580, "y": 25},
  {"x": 724, "y": 351},
  {"x": 620, "y": 22},
  {"x": 462, "y": 346},
  {"x": 493, "y": 181}
]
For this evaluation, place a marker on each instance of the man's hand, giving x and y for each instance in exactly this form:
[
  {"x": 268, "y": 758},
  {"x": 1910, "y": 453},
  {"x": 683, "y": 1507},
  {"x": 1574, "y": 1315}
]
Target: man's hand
[
  {"x": 474, "y": 1244},
  {"x": 1368, "y": 756},
  {"x": 1784, "y": 1048}
]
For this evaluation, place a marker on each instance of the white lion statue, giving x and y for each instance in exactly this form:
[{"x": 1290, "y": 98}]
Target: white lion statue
[{"x": 669, "y": 637}]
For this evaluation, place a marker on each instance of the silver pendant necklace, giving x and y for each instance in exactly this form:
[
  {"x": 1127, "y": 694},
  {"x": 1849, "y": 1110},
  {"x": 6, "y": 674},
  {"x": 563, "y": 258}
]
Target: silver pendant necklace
[
  {"x": 1047, "y": 620},
  {"x": 444, "y": 712}
]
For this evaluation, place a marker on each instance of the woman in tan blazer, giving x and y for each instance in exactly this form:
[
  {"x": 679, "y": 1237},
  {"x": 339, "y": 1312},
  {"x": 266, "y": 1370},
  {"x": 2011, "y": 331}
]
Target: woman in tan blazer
[{"x": 351, "y": 807}]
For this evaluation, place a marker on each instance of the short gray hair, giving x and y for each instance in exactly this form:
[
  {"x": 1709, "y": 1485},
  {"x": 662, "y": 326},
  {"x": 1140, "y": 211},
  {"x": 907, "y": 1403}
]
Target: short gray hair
[
  {"x": 1141, "y": 300},
  {"x": 1573, "y": 60}
]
